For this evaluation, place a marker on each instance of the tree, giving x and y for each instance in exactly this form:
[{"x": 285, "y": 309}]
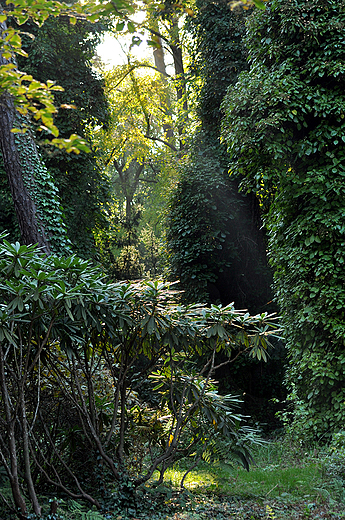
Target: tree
[
  {"x": 135, "y": 149},
  {"x": 284, "y": 127},
  {"x": 216, "y": 243},
  {"x": 232, "y": 265},
  {"x": 162, "y": 22},
  {"x": 21, "y": 93},
  {"x": 17, "y": 150},
  {"x": 68, "y": 50}
]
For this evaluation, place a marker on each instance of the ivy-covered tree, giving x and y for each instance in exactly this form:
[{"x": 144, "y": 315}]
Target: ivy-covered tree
[
  {"x": 231, "y": 265},
  {"x": 285, "y": 125},
  {"x": 27, "y": 176},
  {"x": 218, "y": 56},
  {"x": 23, "y": 95},
  {"x": 68, "y": 50},
  {"x": 213, "y": 250},
  {"x": 63, "y": 52}
]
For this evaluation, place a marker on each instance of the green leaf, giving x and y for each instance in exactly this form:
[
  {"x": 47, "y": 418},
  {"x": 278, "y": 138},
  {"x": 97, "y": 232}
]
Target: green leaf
[
  {"x": 259, "y": 4},
  {"x": 131, "y": 26},
  {"x": 120, "y": 26}
]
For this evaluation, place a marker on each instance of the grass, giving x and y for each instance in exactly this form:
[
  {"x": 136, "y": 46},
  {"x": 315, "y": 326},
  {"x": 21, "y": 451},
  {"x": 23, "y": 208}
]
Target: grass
[
  {"x": 286, "y": 484},
  {"x": 273, "y": 475}
]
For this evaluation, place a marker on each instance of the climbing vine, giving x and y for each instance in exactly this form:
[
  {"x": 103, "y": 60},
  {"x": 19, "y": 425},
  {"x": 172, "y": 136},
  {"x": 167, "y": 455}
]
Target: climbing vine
[
  {"x": 45, "y": 195},
  {"x": 285, "y": 127}
]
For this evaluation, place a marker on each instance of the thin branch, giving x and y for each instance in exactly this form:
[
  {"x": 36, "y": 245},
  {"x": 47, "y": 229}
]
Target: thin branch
[
  {"x": 189, "y": 470},
  {"x": 9, "y": 506},
  {"x": 137, "y": 66},
  {"x": 59, "y": 484},
  {"x": 161, "y": 141}
]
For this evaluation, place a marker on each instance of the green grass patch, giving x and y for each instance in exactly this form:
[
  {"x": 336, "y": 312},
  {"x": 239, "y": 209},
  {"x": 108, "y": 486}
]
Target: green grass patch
[
  {"x": 259, "y": 482},
  {"x": 287, "y": 483}
]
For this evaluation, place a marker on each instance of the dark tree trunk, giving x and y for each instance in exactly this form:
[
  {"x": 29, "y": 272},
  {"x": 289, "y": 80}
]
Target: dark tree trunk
[{"x": 31, "y": 230}]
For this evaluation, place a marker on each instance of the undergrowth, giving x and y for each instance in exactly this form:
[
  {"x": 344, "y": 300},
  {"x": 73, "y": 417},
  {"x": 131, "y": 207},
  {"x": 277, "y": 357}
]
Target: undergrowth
[{"x": 286, "y": 483}]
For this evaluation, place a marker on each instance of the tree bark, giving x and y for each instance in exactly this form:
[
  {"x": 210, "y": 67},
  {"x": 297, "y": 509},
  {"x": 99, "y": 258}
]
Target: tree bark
[
  {"x": 32, "y": 231},
  {"x": 180, "y": 85},
  {"x": 12, "y": 468},
  {"x": 158, "y": 56},
  {"x": 176, "y": 50}
]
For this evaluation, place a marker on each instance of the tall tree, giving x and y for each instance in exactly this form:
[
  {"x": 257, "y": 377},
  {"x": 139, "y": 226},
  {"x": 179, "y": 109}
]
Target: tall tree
[
  {"x": 22, "y": 93},
  {"x": 68, "y": 50},
  {"x": 285, "y": 131},
  {"x": 162, "y": 22},
  {"x": 235, "y": 270},
  {"x": 21, "y": 159}
]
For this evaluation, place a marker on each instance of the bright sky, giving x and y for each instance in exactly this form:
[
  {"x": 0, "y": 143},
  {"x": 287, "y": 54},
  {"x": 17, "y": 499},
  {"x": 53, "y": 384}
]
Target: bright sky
[{"x": 112, "y": 52}]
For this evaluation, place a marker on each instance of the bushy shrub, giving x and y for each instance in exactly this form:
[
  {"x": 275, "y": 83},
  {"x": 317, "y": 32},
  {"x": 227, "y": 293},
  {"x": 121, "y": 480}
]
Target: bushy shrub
[{"x": 99, "y": 385}]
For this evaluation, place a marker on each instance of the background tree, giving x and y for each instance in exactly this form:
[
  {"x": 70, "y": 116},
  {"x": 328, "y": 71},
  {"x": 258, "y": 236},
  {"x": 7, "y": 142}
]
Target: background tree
[
  {"x": 135, "y": 150},
  {"x": 284, "y": 127}
]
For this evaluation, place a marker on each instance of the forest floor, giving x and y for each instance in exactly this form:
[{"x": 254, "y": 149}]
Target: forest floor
[{"x": 287, "y": 483}]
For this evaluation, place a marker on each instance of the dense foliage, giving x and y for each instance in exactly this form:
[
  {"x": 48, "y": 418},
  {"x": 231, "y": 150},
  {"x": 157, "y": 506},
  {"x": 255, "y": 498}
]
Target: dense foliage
[
  {"x": 109, "y": 370},
  {"x": 62, "y": 52},
  {"x": 218, "y": 56},
  {"x": 284, "y": 127},
  {"x": 215, "y": 239},
  {"x": 214, "y": 243},
  {"x": 207, "y": 243}
]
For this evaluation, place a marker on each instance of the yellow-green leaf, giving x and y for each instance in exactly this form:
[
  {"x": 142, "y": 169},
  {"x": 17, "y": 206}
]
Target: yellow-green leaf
[{"x": 259, "y": 4}]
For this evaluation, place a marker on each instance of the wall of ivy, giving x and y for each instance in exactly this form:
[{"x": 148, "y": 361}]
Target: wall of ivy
[{"x": 285, "y": 129}]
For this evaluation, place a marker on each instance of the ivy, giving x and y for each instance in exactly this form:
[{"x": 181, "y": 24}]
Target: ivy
[
  {"x": 284, "y": 127},
  {"x": 45, "y": 195},
  {"x": 198, "y": 220},
  {"x": 62, "y": 52}
]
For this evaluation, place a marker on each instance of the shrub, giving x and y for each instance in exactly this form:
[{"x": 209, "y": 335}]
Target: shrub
[{"x": 99, "y": 385}]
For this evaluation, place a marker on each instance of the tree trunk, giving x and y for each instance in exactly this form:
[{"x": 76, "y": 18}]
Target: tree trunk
[
  {"x": 180, "y": 85},
  {"x": 32, "y": 231},
  {"x": 158, "y": 56},
  {"x": 12, "y": 467}
]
